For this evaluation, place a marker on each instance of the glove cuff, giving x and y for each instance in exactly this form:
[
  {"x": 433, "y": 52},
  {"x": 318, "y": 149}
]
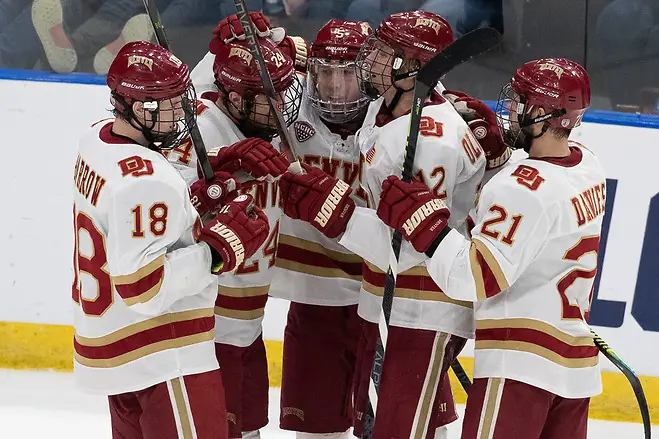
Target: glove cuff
[{"x": 430, "y": 251}]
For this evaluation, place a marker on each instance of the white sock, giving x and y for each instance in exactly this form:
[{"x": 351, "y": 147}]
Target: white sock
[{"x": 441, "y": 433}]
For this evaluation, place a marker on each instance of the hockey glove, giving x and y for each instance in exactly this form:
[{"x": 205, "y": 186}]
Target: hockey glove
[
  {"x": 207, "y": 197},
  {"x": 254, "y": 156},
  {"x": 236, "y": 233},
  {"x": 483, "y": 123},
  {"x": 230, "y": 29},
  {"x": 298, "y": 50},
  {"x": 413, "y": 210},
  {"x": 317, "y": 198}
]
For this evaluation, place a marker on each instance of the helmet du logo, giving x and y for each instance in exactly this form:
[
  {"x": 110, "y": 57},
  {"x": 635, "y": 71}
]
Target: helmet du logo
[
  {"x": 366, "y": 28},
  {"x": 138, "y": 59},
  {"x": 241, "y": 53},
  {"x": 428, "y": 23},
  {"x": 554, "y": 68}
]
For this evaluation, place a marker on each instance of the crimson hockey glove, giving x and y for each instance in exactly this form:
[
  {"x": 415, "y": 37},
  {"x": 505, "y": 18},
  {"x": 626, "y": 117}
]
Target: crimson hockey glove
[
  {"x": 483, "y": 123},
  {"x": 236, "y": 233},
  {"x": 230, "y": 29},
  {"x": 317, "y": 198},
  {"x": 298, "y": 50},
  {"x": 254, "y": 156},
  {"x": 413, "y": 210},
  {"x": 207, "y": 197}
]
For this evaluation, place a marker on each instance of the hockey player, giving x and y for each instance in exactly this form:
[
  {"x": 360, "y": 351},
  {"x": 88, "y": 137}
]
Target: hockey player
[
  {"x": 144, "y": 267},
  {"x": 236, "y": 109},
  {"x": 420, "y": 346},
  {"x": 320, "y": 277},
  {"x": 530, "y": 262}
]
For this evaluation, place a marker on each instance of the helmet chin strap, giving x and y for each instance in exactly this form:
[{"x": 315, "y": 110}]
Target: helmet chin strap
[
  {"x": 526, "y": 136},
  {"x": 395, "y": 77}
]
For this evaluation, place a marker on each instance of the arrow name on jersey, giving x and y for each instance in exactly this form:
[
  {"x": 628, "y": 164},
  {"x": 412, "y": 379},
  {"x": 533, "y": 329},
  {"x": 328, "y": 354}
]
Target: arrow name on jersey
[
  {"x": 352, "y": 172},
  {"x": 265, "y": 194},
  {"x": 590, "y": 203},
  {"x": 88, "y": 181}
]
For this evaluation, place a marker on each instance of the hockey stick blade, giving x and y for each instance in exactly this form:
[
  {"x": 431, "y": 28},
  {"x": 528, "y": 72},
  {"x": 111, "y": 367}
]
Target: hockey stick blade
[
  {"x": 266, "y": 80},
  {"x": 637, "y": 387},
  {"x": 195, "y": 135},
  {"x": 470, "y": 45}
]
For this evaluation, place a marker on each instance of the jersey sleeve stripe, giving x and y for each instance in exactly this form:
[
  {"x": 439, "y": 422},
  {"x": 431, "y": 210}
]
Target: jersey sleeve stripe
[
  {"x": 142, "y": 343},
  {"x": 488, "y": 275},
  {"x": 143, "y": 285},
  {"x": 241, "y": 303},
  {"x": 238, "y": 314},
  {"x": 223, "y": 290}
]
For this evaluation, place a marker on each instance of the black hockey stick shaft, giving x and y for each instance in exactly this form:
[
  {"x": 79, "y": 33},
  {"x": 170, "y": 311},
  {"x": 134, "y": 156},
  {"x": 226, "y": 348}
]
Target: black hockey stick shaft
[
  {"x": 266, "y": 80},
  {"x": 470, "y": 45},
  {"x": 197, "y": 141},
  {"x": 631, "y": 377}
]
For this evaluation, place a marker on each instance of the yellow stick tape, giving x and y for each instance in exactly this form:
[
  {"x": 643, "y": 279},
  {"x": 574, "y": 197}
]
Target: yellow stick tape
[{"x": 41, "y": 346}]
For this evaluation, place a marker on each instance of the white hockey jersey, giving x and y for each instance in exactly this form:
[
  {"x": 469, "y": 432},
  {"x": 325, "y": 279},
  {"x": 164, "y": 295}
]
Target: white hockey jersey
[
  {"x": 310, "y": 267},
  {"x": 242, "y": 295},
  {"x": 142, "y": 286},
  {"x": 451, "y": 162},
  {"x": 531, "y": 264}
]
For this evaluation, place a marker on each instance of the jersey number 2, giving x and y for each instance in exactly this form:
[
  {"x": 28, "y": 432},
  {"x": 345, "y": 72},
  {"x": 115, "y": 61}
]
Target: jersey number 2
[{"x": 586, "y": 245}]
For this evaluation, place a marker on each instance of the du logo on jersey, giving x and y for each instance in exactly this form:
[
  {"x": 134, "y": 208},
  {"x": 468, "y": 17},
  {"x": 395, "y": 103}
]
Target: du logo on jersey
[
  {"x": 303, "y": 131},
  {"x": 139, "y": 59}
]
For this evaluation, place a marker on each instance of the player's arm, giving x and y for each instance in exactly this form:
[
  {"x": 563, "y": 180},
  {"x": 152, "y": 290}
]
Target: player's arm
[
  {"x": 511, "y": 227},
  {"x": 148, "y": 270}
]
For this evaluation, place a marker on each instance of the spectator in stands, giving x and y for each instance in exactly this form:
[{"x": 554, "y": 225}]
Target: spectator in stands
[{"x": 19, "y": 45}]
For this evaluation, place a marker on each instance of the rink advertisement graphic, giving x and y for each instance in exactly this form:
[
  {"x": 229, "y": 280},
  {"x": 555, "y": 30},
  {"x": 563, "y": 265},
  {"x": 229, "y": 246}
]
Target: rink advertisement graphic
[{"x": 46, "y": 117}]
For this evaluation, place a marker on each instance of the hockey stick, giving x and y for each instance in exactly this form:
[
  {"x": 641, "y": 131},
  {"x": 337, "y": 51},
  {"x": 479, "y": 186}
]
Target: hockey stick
[
  {"x": 266, "y": 80},
  {"x": 470, "y": 45},
  {"x": 197, "y": 141},
  {"x": 631, "y": 377}
]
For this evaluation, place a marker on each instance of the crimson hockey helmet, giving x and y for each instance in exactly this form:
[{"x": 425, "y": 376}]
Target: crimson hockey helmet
[
  {"x": 332, "y": 85},
  {"x": 400, "y": 46},
  {"x": 235, "y": 70},
  {"x": 560, "y": 86},
  {"x": 147, "y": 73}
]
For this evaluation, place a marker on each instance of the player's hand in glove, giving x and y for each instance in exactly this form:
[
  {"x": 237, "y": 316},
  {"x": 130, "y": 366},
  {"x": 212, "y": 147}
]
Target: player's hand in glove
[
  {"x": 413, "y": 210},
  {"x": 236, "y": 233},
  {"x": 254, "y": 156},
  {"x": 483, "y": 123},
  {"x": 298, "y": 50},
  {"x": 230, "y": 29},
  {"x": 209, "y": 196},
  {"x": 317, "y": 198}
]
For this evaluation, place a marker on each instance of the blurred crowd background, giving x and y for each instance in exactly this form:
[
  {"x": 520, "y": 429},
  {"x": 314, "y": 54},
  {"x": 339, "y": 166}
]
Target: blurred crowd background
[{"x": 616, "y": 40}]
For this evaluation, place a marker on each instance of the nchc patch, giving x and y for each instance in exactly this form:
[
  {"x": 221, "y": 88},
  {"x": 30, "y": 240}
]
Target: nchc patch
[{"x": 303, "y": 131}]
